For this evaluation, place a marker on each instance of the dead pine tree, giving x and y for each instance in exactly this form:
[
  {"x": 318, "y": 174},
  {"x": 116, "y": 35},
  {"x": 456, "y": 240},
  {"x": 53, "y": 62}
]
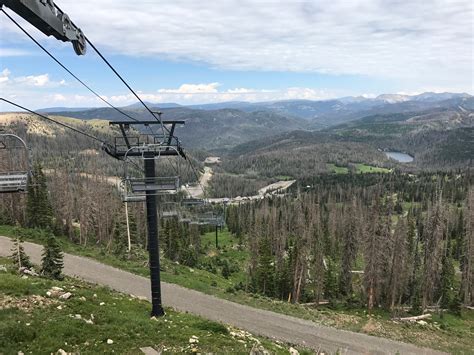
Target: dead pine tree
[
  {"x": 467, "y": 265},
  {"x": 374, "y": 250},
  {"x": 398, "y": 275},
  {"x": 433, "y": 242},
  {"x": 349, "y": 250}
]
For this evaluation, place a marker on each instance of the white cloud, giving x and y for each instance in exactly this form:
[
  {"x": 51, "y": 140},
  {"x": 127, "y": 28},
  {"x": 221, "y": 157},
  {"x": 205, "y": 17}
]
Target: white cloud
[
  {"x": 12, "y": 52},
  {"x": 25, "y": 82},
  {"x": 32, "y": 90},
  {"x": 4, "y": 76},
  {"x": 192, "y": 89},
  {"x": 59, "y": 98},
  {"x": 34, "y": 80},
  {"x": 418, "y": 42},
  {"x": 188, "y": 94}
]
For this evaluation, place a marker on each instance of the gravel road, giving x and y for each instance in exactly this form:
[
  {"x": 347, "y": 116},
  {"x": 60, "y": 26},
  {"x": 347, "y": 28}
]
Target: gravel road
[{"x": 256, "y": 321}]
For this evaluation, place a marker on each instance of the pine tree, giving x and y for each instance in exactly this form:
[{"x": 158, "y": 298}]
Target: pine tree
[
  {"x": 265, "y": 268},
  {"x": 375, "y": 255},
  {"x": 39, "y": 212},
  {"x": 349, "y": 254},
  {"x": 120, "y": 243},
  {"x": 18, "y": 256},
  {"x": 52, "y": 262},
  {"x": 456, "y": 305},
  {"x": 397, "y": 278},
  {"x": 467, "y": 255},
  {"x": 447, "y": 280},
  {"x": 226, "y": 269},
  {"x": 330, "y": 281},
  {"x": 433, "y": 237},
  {"x": 412, "y": 257}
]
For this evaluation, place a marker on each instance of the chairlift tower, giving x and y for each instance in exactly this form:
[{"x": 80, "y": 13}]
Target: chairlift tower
[{"x": 149, "y": 148}]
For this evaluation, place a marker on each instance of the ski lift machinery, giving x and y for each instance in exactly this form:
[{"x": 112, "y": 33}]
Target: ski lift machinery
[
  {"x": 17, "y": 179},
  {"x": 49, "y": 19}
]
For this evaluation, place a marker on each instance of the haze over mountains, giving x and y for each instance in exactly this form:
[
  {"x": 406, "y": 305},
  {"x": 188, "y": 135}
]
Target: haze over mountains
[
  {"x": 321, "y": 113},
  {"x": 222, "y": 126}
]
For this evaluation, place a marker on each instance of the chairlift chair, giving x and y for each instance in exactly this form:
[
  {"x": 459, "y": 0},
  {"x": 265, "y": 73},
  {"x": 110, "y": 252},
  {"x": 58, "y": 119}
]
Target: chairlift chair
[
  {"x": 169, "y": 210},
  {"x": 14, "y": 180},
  {"x": 192, "y": 202},
  {"x": 201, "y": 212},
  {"x": 135, "y": 189}
]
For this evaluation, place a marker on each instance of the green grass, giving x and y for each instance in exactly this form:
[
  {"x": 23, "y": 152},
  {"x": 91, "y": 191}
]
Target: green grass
[
  {"x": 337, "y": 169},
  {"x": 284, "y": 178},
  {"x": 360, "y": 169},
  {"x": 452, "y": 338},
  {"x": 52, "y": 324},
  {"x": 368, "y": 169}
]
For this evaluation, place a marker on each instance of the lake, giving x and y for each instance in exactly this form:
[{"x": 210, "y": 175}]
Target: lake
[{"x": 400, "y": 157}]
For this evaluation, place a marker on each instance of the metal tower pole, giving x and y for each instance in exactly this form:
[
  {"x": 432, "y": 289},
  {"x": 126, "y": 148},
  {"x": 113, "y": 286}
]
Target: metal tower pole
[
  {"x": 153, "y": 241},
  {"x": 128, "y": 228},
  {"x": 217, "y": 237}
]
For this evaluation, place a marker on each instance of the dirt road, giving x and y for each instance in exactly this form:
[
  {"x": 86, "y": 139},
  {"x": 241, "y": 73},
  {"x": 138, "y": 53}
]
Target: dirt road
[
  {"x": 265, "y": 323},
  {"x": 197, "y": 191}
]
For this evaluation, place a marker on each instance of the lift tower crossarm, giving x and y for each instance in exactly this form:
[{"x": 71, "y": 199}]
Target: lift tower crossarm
[
  {"x": 146, "y": 122},
  {"x": 49, "y": 19},
  {"x": 135, "y": 148}
]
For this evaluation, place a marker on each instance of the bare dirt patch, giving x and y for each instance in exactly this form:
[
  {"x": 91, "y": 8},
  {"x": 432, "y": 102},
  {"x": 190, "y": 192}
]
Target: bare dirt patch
[{"x": 26, "y": 304}]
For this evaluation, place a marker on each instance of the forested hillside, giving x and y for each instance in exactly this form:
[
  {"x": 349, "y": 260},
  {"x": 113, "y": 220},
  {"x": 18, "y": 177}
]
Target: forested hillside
[
  {"x": 82, "y": 180},
  {"x": 356, "y": 231},
  {"x": 217, "y": 129},
  {"x": 382, "y": 241}
]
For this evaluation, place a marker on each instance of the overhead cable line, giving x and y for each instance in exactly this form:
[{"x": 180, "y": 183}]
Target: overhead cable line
[
  {"x": 123, "y": 80},
  {"x": 67, "y": 69}
]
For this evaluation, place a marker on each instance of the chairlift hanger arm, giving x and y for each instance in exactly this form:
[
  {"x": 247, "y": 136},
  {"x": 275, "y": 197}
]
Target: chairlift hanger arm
[{"x": 49, "y": 19}]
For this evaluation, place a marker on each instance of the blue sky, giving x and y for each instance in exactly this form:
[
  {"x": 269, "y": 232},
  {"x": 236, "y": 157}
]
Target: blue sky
[{"x": 197, "y": 52}]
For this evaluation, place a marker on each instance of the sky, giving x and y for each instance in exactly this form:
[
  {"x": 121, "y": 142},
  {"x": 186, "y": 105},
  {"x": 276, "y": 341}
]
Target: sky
[{"x": 193, "y": 52}]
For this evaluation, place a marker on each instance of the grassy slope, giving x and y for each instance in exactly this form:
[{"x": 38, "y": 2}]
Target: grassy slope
[
  {"x": 367, "y": 169},
  {"x": 448, "y": 333},
  {"x": 50, "y": 324}
]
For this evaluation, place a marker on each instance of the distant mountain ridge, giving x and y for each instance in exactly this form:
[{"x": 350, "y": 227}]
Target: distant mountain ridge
[
  {"x": 217, "y": 127},
  {"x": 301, "y": 108}
]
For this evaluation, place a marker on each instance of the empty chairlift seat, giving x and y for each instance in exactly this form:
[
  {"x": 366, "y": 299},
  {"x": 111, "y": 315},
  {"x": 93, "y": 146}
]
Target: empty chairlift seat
[
  {"x": 13, "y": 182},
  {"x": 14, "y": 164},
  {"x": 169, "y": 210},
  {"x": 157, "y": 184},
  {"x": 136, "y": 189}
]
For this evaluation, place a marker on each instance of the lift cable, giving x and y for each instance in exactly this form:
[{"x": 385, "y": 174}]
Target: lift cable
[
  {"x": 56, "y": 122},
  {"x": 71, "y": 73},
  {"x": 84, "y": 84},
  {"x": 124, "y": 82},
  {"x": 66, "y": 69}
]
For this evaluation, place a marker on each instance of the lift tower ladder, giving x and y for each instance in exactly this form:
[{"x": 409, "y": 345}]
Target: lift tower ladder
[{"x": 149, "y": 148}]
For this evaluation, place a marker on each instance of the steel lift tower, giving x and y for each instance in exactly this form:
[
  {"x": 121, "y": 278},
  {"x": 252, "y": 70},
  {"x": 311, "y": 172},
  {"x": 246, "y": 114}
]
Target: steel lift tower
[{"x": 149, "y": 148}]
